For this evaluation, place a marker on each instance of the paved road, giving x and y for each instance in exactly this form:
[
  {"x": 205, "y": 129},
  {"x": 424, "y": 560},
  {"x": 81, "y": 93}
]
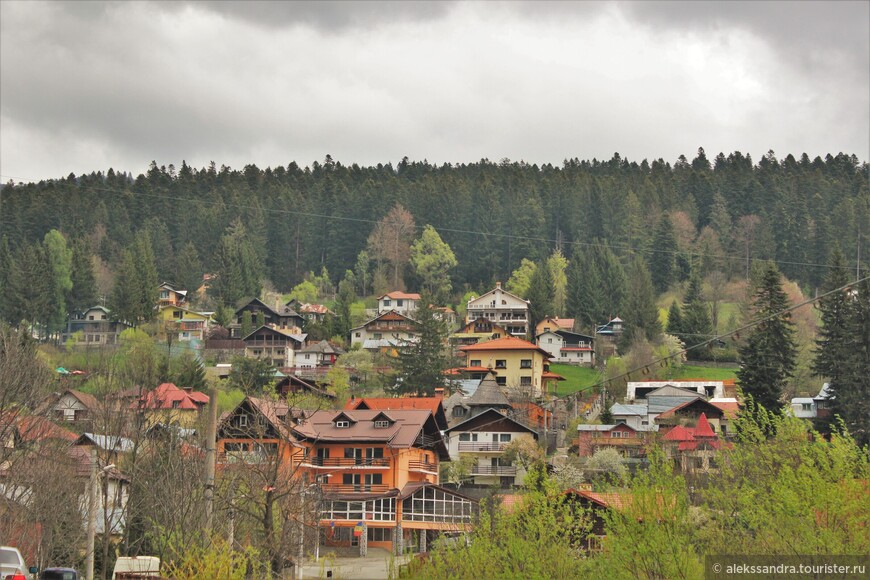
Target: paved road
[{"x": 375, "y": 566}]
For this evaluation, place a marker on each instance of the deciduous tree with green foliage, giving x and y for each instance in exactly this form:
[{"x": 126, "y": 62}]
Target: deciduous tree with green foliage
[
  {"x": 251, "y": 375},
  {"x": 432, "y": 260}
]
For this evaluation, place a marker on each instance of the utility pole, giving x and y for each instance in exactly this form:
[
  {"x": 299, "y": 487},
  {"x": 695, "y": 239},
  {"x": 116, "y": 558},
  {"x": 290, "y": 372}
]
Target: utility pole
[
  {"x": 210, "y": 457},
  {"x": 92, "y": 516}
]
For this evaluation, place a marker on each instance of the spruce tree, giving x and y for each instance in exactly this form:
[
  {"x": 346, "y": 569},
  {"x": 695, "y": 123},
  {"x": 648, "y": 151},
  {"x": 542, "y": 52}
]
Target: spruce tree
[
  {"x": 125, "y": 302},
  {"x": 84, "y": 285},
  {"x": 835, "y": 342},
  {"x": 696, "y": 324},
  {"x": 853, "y": 397},
  {"x": 767, "y": 360},
  {"x": 422, "y": 363},
  {"x": 662, "y": 259},
  {"x": 640, "y": 311},
  {"x": 188, "y": 269}
]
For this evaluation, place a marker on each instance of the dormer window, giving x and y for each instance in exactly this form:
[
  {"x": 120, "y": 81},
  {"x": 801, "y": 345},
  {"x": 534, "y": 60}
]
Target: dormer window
[
  {"x": 342, "y": 424},
  {"x": 242, "y": 420},
  {"x": 382, "y": 424}
]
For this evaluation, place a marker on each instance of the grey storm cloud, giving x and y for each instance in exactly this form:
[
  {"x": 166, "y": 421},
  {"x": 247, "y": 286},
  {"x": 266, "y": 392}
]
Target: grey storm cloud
[{"x": 89, "y": 85}]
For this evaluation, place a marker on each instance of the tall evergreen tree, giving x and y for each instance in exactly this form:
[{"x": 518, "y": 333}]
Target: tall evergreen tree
[
  {"x": 422, "y": 363},
  {"x": 239, "y": 271},
  {"x": 540, "y": 296},
  {"x": 29, "y": 289},
  {"x": 6, "y": 264},
  {"x": 146, "y": 273},
  {"x": 188, "y": 269},
  {"x": 853, "y": 397},
  {"x": 836, "y": 344},
  {"x": 125, "y": 303},
  {"x": 768, "y": 358},
  {"x": 662, "y": 256},
  {"x": 696, "y": 324},
  {"x": 640, "y": 312},
  {"x": 675, "y": 321},
  {"x": 343, "y": 301},
  {"x": 84, "y": 285}
]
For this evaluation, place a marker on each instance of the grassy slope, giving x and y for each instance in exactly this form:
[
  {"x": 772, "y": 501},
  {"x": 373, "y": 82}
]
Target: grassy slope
[{"x": 582, "y": 377}]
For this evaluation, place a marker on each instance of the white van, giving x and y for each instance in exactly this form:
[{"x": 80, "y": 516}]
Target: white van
[{"x": 131, "y": 567}]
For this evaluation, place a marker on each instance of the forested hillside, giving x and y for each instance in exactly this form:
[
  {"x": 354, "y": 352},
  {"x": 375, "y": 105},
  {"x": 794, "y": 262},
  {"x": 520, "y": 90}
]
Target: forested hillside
[{"x": 723, "y": 211}]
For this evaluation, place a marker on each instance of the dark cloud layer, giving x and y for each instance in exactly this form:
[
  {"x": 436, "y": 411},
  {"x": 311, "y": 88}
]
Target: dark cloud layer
[{"x": 85, "y": 85}]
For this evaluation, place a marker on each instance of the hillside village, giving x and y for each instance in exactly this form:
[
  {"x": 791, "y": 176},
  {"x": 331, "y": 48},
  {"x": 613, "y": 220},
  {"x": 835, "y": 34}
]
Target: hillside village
[{"x": 325, "y": 435}]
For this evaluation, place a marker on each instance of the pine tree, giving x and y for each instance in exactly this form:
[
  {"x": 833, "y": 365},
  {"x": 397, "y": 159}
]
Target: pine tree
[
  {"x": 125, "y": 302},
  {"x": 422, "y": 363},
  {"x": 146, "y": 272},
  {"x": 59, "y": 258},
  {"x": 6, "y": 264},
  {"x": 344, "y": 300},
  {"x": 188, "y": 269},
  {"x": 768, "y": 358}
]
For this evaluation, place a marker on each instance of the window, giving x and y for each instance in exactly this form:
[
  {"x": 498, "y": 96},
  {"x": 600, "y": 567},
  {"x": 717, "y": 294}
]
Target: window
[
  {"x": 468, "y": 436},
  {"x": 458, "y": 411},
  {"x": 350, "y": 479},
  {"x": 342, "y": 424},
  {"x": 526, "y": 381},
  {"x": 400, "y": 303},
  {"x": 357, "y": 334},
  {"x": 504, "y": 438},
  {"x": 382, "y": 424},
  {"x": 474, "y": 363},
  {"x": 501, "y": 364},
  {"x": 235, "y": 447},
  {"x": 374, "y": 453},
  {"x": 526, "y": 363},
  {"x": 354, "y": 453},
  {"x": 380, "y": 534},
  {"x": 616, "y": 434},
  {"x": 806, "y": 407},
  {"x": 373, "y": 479},
  {"x": 91, "y": 317},
  {"x": 386, "y": 302},
  {"x": 378, "y": 336},
  {"x": 501, "y": 381},
  {"x": 549, "y": 341}
]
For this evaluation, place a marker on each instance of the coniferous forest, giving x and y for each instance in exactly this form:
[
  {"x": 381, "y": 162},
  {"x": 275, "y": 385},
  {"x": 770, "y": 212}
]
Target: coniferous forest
[{"x": 691, "y": 216}]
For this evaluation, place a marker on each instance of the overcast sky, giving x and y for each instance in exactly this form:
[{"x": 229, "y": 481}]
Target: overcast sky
[{"x": 88, "y": 86}]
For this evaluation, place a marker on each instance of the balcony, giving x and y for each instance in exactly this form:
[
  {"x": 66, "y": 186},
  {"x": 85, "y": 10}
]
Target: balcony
[
  {"x": 417, "y": 465},
  {"x": 475, "y": 446},
  {"x": 338, "y": 488},
  {"x": 494, "y": 470},
  {"x": 350, "y": 462}
]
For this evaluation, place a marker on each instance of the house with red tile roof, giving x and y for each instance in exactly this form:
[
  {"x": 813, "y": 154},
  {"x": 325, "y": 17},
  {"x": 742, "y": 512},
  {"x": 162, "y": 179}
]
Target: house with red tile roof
[
  {"x": 402, "y": 302},
  {"x": 693, "y": 448},
  {"x": 519, "y": 366},
  {"x": 168, "y": 404},
  {"x": 435, "y": 405}
]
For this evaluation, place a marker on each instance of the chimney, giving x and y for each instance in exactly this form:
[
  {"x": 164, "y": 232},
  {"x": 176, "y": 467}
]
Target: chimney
[
  {"x": 188, "y": 389},
  {"x": 439, "y": 392},
  {"x": 498, "y": 285}
]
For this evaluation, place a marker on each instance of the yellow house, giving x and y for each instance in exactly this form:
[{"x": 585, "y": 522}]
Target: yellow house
[
  {"x": 189, "y": 324},
  {"x": 520, "y": 366}
]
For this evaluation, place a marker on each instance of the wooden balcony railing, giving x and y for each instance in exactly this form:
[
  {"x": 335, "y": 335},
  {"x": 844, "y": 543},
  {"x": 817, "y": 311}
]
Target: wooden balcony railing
[
  {"x": 475, "y": 446},
  {"x": 417, "y": 465},
  {"x": 379, "y": 462},
  {"x": 493, "y": 470},
  {"x": 355, "y": 488}
]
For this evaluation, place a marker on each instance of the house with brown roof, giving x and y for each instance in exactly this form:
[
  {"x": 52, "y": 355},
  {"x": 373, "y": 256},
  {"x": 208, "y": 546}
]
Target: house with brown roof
[
  {"x": 319, "y": 354},
  {"x": 388, "y": 330},
  {"x": 277, "y": 345},
  {"x": 71, "y": 406},
  {"x": 475, "y": 331},
  {"x": 376, "y": 470},
  {"x": 554, "y": 323},
  {"x": 484, "y": 436},
  {"x": 381, "y": 468},
  {"x": 280, "y": 317},
  {"x": 567, "y": 347},
  {"x": 432, "y": 404},
  {"x": 627, "y": 440}
]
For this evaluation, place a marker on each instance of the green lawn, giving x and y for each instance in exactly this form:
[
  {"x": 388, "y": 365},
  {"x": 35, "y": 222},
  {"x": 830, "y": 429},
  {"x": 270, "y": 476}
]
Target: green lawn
[
  {"x": 576, "y": 378},
  {"x": 711, "y": 373}
]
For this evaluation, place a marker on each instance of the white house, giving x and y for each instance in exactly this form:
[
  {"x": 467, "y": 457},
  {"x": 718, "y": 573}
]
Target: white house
[
  {"x": 567, "y": 347},
  {"x": 503, "y": 308},
  {"x": 400, "y": 302},
  {"x": 813, "y": 407},
  {"x": 638, "y": 390}
]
